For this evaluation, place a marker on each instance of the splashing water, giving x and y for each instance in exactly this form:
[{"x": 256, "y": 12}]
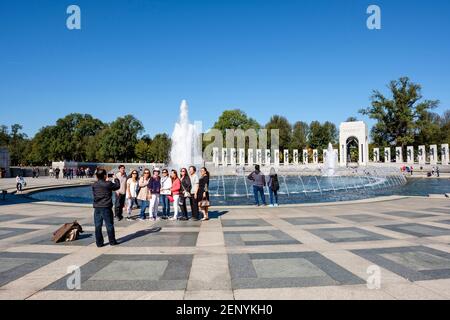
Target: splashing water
[
  {"x": 329, "y": 167},
  {"x": 186, "y": 144}
]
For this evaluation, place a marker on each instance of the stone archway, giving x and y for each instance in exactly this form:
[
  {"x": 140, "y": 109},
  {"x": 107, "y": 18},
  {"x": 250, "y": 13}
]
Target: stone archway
[
  {"x": 352, "y": 145},
  {"x": 354, "y": 131}
]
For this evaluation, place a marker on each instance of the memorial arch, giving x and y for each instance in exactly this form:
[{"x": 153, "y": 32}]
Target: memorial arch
[{"x": 349, "y": 134}]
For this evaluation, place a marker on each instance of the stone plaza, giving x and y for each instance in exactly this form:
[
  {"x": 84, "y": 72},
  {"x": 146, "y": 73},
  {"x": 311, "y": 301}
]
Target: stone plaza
[{"x": 317, "y": 251}]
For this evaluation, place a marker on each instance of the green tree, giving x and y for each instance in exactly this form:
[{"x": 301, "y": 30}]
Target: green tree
[
  {"x": 235, "y": 119},
  {"x": 160, "y": 148},
  {"x": 143, "y": 151},
  {"x": 285, "y": 130},
  {"x": 320, "y": 135},
  {"x": 300, "y": 134},
  {"x": 401, "y": 117},
  {"x": 119, "y": 140}
]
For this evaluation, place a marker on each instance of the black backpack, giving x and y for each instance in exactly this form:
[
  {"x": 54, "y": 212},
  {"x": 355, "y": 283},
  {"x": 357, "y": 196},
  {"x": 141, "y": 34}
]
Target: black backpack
[{"x": 275, "y": 184}]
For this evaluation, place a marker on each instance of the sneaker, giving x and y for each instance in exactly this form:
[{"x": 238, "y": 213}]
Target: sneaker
[
  {"x": 129, "y": 219},
  {"x": 272, "y": 205},
  {"x": 276, "y": 205},
  {"x": 172, "y": 219},
  {"x": 140, "y": 219}
]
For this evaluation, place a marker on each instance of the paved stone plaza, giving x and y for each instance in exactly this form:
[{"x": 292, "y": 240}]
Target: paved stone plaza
[{"x": 292, "y": 252}]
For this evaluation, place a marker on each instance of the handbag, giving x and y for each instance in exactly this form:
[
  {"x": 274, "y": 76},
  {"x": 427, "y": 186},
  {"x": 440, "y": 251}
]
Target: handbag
[
  {"x": 171, "y": 199},
  {"x": 186, "y": 194},
  {"x": 204, "y": 203}
]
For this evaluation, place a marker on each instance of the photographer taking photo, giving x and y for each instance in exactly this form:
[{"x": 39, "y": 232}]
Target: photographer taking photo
[{"x": 102, "y": 191}]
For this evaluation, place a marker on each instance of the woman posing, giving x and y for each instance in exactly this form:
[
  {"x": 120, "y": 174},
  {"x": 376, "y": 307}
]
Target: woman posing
[
  {"x": 132, "y": 186},
  {"x": 166, "y": 186},
  {"x": 185, "y": 192},
  {"x": 203, "y": 193},
  {"x": 176, "y": 186},
  {"x": 144, "y": 194}
]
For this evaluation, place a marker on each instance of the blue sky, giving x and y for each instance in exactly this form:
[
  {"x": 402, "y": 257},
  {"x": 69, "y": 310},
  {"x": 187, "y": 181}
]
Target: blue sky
[{"x": 307, "y": 60}]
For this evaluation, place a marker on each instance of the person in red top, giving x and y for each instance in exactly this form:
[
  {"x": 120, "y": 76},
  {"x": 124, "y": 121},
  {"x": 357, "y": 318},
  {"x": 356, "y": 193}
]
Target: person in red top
[{"x": 176, "y": 186}]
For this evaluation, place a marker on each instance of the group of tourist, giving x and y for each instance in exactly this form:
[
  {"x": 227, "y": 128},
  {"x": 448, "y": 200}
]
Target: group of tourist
[{"x": 172, "y": 189}]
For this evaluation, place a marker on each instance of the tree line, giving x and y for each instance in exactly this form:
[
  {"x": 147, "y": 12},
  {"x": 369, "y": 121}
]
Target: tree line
[
  {"x": 402, "y": 117},
  {"x": 83, "y": 138}
]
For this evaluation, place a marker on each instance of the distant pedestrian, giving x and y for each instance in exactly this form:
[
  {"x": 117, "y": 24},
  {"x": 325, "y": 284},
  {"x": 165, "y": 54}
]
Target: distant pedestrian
[
  {"x": 259, "y": 182},
  {"x": 102, "y": 191},
  {"x": 274, "y": 187},
  {"x": 57, "y": 171},
  {"x": 20, "y": 183}
]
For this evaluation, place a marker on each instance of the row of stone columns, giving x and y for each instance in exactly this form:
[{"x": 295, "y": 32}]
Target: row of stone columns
[
  {"x": 422, "y": 155},
  {"x": 234, "y": 157}
]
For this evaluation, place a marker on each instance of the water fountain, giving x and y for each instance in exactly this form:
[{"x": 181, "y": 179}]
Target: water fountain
[
  {"x": 186, "y": 146},
  {"x": 330, "y": 162}
]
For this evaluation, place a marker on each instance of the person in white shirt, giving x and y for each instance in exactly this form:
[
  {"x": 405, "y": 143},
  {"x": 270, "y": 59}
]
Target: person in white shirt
[
  {"x": 166, "y": 191},
  {"x": 132, "y": 185},
  {"x": 20, "y": 183}
]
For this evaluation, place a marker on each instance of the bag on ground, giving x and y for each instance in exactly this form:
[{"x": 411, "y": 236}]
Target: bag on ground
[{"x": 67, "y": 232}]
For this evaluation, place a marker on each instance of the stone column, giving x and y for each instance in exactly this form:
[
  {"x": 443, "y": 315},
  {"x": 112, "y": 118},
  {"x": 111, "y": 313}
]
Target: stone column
[
  {"x": 242, "y": 157},
  {"x": 376, "y": 154},
  {"x": 422, "y": 155},
  {"x": 259, "y": 156},
  {"x": 305, "y": 156},
  {"x": 445, "y": 157},
  {"x": 224, "y": 157},
  {"x": 295, "y": 156},
  {"x": 276, "y": 157},
  {"x": 216, "y": 156},
  {"x": 250, "y": 157},
  {"x": 285, "y": 157},
  {"x": 315, "y": 156},
  {"x": 433, "y": 155},
  {"x": 233, "y": 156},
  {"x": 410, "y": 155},
  {"x": 267, "y": 157},
  {"x": 398, "y": 155},
  {"x": 387, "y": 155}
]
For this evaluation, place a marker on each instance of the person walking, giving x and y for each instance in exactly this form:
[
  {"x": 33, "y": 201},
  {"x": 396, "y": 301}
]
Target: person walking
[
  {"x": 274, "y": 187},
  {"x": 121, "y": 193},
  {"x": 155, "y": 189},
  {"x": 166, "y": 191},
  {"x": 132, "y": 185},
  {"x": 102, "y": 191},
  {"x": 144, "y": 193},
  {"x": 20, "y": 183},
  {"x": 185, "y": 193},
  {"x": 193, "y": 200},
  {"x": 57, "y": 170},
  {"x": 259, "y": 182},
  {"x": 203, "y": 193},
  {"x": 175, "y": 190}
]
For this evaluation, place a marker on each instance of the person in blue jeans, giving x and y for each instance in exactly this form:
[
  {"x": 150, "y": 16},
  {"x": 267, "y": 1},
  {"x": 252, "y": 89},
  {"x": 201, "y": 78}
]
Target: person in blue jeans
[
  {"x": 165, "y": 192},
  {"x": 259, "y": 182},
  {"x": 102, "y": 192},
  {"x": 144, "y": 193},
  {"x": 274, "y": 187}
]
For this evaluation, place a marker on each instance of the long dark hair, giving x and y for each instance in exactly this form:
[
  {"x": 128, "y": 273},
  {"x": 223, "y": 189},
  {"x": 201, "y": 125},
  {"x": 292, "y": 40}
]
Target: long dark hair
[
  {"x": 206, "y": 171},
  {"x": 176, "y": 175},
  {"x": 185, "y": 170}
]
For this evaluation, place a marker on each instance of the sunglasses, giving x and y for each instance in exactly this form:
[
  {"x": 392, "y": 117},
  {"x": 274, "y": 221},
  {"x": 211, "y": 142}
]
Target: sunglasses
[{"x": 134, "y": 173}]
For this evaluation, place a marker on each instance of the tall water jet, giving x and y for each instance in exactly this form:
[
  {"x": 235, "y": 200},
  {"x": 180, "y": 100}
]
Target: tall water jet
[
  {"x": 330, "y": 161},
  {"x": 186, "y": 144}
]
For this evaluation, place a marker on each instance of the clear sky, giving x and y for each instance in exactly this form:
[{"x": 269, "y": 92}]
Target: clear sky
[{"x": 307, "y": 60}]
